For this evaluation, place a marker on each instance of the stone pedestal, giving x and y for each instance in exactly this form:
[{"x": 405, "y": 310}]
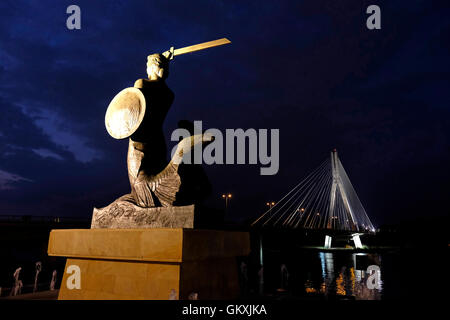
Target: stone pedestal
[{"x": 159, "y": 263}]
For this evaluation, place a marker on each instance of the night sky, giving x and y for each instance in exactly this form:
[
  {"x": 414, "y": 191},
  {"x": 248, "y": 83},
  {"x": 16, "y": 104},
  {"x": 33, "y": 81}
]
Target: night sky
[{"x": 310, "y": 68}]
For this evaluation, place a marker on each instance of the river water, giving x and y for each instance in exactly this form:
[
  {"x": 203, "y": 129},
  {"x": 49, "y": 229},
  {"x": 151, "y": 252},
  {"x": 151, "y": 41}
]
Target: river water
[
  {"x": 348, "y": 275},
  {"x": 345, "y": 275}
]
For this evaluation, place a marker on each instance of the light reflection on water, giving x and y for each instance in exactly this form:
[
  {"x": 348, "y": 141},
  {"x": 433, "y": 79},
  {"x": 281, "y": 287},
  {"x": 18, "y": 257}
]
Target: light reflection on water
[{"x": 346, "y": 277}]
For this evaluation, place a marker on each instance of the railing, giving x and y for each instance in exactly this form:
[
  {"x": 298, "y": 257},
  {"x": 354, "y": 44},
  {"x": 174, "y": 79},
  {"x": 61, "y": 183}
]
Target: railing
[
  {"x": 41, "y": 219},
  {"x": 6, "y": 292}
]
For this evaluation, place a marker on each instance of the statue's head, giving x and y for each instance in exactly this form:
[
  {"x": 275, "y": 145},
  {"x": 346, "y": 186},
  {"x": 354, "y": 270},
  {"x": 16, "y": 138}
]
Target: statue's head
[{"x": 157, "y": 67}]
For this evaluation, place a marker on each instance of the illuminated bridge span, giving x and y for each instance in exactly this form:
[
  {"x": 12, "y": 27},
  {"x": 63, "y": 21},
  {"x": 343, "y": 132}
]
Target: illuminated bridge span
[{"x": 325, "y": 199}]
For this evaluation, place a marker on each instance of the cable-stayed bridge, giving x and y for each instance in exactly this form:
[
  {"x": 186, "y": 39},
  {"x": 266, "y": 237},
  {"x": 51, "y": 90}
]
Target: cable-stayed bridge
[{"x": 325, "y": 199}]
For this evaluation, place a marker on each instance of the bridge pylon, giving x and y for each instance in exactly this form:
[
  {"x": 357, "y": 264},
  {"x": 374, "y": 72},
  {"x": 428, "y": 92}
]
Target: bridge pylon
[{"x": 325, "y": 199}]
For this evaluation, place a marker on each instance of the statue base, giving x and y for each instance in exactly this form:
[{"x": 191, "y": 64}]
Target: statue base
[
  {"x": 126, "y": 215},
  {"x": 153, "y": 264}
]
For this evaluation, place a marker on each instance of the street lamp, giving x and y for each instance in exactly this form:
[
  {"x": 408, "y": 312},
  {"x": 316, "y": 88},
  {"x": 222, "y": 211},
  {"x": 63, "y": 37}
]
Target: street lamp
[
  {"x": 270, "y": 204},
  {"x": 227, "y": 198}
]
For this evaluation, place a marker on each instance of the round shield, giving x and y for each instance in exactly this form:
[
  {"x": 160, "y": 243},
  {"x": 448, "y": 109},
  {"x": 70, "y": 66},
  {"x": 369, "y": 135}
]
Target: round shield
[{"x": 125, "y": 113}]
